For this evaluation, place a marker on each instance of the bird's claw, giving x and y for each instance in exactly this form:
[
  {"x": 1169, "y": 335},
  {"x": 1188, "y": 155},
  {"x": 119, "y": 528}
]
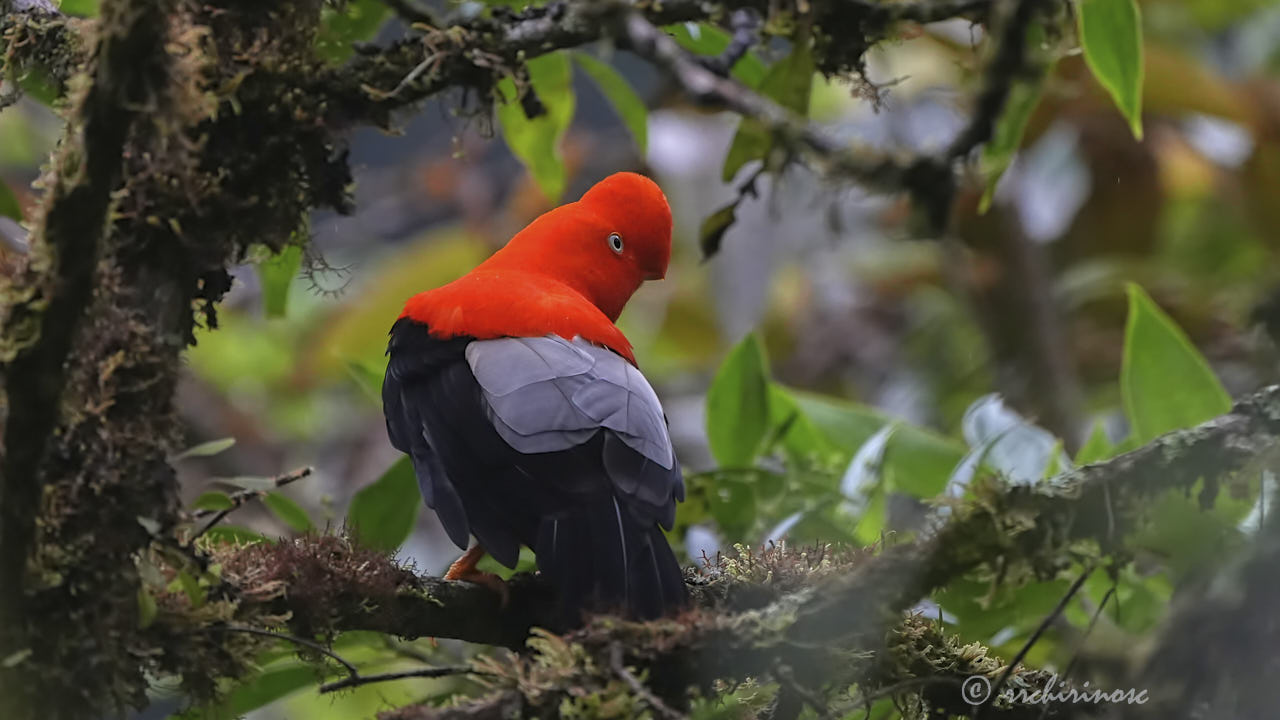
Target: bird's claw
[{"x": 489, "y": 580}]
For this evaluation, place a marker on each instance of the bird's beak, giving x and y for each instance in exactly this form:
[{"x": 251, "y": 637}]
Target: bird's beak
[{"x": 655, "y": 275}]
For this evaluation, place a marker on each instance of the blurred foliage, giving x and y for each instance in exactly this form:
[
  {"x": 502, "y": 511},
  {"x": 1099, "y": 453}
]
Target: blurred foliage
[
  {"x": 1155, "y": 273},
  {"x": 9, "y": 206},
  {"x": 535, "y": 117}
]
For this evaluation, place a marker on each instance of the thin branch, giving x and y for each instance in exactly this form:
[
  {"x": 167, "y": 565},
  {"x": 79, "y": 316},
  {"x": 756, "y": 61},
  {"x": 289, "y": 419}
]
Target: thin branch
[
  {"x": 241, "y": 497},
  {"x": 303, "y": 642},
  {"x": 1008, "y": 64},
  {"x": 744, "y": 25},
  {"x": 824, "y": 149},
  {"x": 1035, "y": 636},
  {"x": 787, "y": 680},
  {"x": 357, "y": 680},
  {"x": 620, "y": 669}
]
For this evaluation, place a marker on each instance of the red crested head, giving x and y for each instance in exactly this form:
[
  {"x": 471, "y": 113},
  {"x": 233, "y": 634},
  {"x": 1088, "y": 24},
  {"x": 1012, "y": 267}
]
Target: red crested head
[
  {"x": 604, "y": 245},
  {"x": 600, "y": 248}
]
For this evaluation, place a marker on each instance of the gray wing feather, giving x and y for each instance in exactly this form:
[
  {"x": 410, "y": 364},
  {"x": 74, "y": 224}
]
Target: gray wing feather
[
  {"x": 547, "y": 394},
  {"x": 509, "y": 364}
]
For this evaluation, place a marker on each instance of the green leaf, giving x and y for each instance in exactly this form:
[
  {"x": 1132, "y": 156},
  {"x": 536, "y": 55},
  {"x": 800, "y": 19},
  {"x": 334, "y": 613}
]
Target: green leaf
[
  {"x": 732, "y": 503},
  {"x": 288, "y": 511},
  {"x": 714, "y": 227},
  {"x": 1097, "y": 448},
  {"x": 206, "y": 449},
  {"x": 708, "y": 39},
  {"x": 369, "y": 379},
  {"x": 537, "y": 142},
  {"x": 276, "y": 274},
  {"x": 624, "y": 100},
  {"x": 1111, "y": 34},
  {"x": 789, "y": 82},
  {"x": 80, "y": 8},
  {"x": 383, "y": 514},
  {"x": 1188, "y": 537},
  {"x": 343, "y": 26},
  {"x": 916, "y": 461},
  {"x": 1165, "y": 382},
  {"x": 1024, "y": 96},
  {"x": 213, "y": 500},
  {"x": 268, "y": 686},
  {"x": 188, "y": 583},
  {"x": 232, "y": 535},
  {"x": 146, "y": 608},
  {"x": 9, "y": 205},
  {"x": 738, "y": 404}
]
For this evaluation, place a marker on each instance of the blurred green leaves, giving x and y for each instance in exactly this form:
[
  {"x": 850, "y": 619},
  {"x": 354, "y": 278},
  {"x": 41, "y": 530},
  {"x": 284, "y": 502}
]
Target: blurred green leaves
[
  {"x": 707, "y": 39},
  {"x": 621, "y": 97},
  {"x": 1024, "y": 96},
  {"x": 80, "y": 8},
  {"x": 276, "y": 273},
  {"x": 536, "y": 141},
  {"x": 342, "y": 25},
  {"x": 9, "y": 206},
  {"x": 1111, "y": 35},
  {"x": 1165, "y": 382},
  {"x": 789, "y": 82},
  {"x": 711, "y": 234},
  {"x": 382, "y": 515},
  {"x": 207, "y": 449},
  {"x": 288, "y": 511},
  {"x": 738, "y": 405}
]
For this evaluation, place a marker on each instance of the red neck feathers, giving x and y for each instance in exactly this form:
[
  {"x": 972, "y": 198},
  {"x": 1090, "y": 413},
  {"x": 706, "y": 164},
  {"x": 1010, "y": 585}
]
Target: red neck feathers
[{"x": 569, "y": 273}]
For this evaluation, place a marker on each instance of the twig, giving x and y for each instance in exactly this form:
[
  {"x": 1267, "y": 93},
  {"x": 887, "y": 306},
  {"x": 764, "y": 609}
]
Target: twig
[
  {"x": 867, "y": 699},
  {"x": 1075, "y": 657},
  {"x": 787, "y": 679},
  {"x": 240, "y": 497},
  {"x": 620, "y": 669},
  {"x": 744, "y": 23},
  {"x": 311, "y": 645},
  {"x": 1008, "y": 62},
  {"x": 868, "y": 166},
  {"x": 1035, "y": 636},
  {"x": 355, "y": 680}
]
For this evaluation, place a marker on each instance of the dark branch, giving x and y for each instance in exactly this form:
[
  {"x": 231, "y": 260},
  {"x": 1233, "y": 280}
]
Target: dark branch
[
  {"x": 1216, "y": 655},
  {"x": 356, "y": 679},
  {"x": 619, "y": 667},
  {"x": 823, "y": 149},
  {"x": 809, "y": 626},
  {"x": 1008, "y": 64},
  {"x": 51, "y": 294},
  {"x": 744, "y": 25}
]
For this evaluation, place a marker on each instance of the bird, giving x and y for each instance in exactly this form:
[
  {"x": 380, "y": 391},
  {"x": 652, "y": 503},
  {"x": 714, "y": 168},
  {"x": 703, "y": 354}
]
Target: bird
[{"x": 525, "y": 414}]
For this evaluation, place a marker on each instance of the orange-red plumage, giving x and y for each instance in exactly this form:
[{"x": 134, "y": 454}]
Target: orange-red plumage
[{"x": 561, "y": 275}]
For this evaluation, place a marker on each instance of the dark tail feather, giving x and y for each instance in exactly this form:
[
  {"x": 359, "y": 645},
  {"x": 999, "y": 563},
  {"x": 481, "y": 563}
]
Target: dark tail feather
[{"x": 602, "y": 559}]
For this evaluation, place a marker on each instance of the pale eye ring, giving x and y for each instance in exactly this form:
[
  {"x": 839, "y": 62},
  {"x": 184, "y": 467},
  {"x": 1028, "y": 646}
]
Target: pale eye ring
[{"x": 615, "y": 242}]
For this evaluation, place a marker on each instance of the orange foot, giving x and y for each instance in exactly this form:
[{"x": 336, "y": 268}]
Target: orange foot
[{"x": 464, "y": 568}]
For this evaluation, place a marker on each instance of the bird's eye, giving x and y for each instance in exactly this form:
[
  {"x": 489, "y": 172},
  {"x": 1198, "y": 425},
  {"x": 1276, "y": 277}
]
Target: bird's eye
[{"x": 615, "y": 242}]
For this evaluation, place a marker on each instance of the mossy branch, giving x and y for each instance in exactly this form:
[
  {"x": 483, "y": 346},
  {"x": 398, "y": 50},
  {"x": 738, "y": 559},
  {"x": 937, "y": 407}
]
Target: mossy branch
[
  {"x": 825, "y": 618},
  {"x": 49, "y": 298}
]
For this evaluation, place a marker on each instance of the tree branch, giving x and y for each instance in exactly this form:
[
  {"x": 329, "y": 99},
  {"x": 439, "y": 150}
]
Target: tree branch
[
  {"x": 52, "y": 292},
  {"x": 812, "y": 618}
]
